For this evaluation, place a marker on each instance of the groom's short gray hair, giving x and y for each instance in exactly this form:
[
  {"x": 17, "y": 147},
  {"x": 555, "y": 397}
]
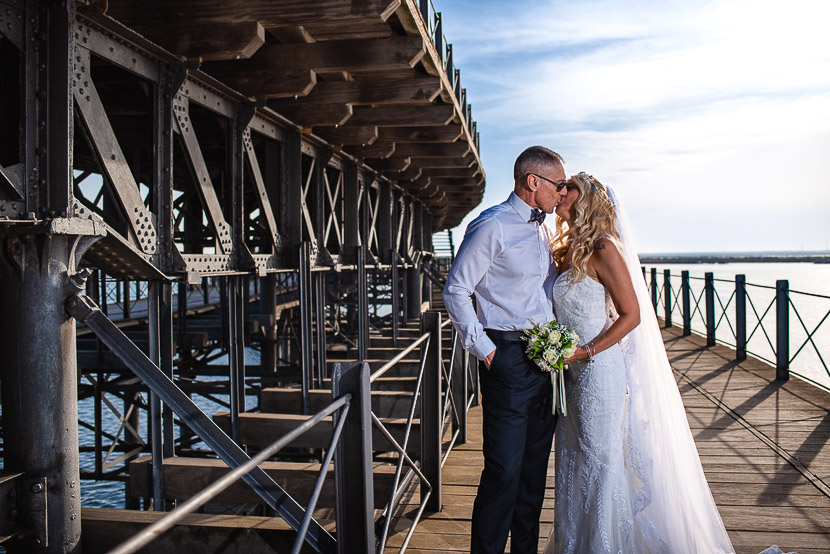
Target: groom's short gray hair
[{"x": 534, "y": 159}]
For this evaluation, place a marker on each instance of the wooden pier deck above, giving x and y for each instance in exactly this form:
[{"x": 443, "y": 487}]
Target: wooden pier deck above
[{"x": 763, "y": 445}]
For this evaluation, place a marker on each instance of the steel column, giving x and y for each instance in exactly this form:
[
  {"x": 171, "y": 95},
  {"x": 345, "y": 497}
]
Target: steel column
[
  {"x": 362, "y": 306},
  {"x": 395, "y": 302},
  {"x": 268, "y": 306},
  {"x": 306, "y": 336},
  {"x": 319, "y": 283},
  {"x": 40, "y": 378},
  {"x": 156, "y": 435}
]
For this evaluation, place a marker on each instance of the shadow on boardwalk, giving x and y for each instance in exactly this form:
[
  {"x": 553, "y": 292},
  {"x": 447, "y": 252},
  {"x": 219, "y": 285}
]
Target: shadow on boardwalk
[{"x": 763, "y": 445}]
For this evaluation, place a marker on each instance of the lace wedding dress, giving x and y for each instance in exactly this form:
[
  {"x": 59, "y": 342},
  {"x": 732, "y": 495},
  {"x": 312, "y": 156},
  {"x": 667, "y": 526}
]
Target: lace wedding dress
[
  {"x": 628, "y": 475},
  {"x": 595, "y": 506}
]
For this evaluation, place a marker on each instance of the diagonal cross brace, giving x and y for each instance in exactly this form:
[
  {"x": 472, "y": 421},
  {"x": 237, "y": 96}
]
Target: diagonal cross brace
[{"x": 85, "y": 310}]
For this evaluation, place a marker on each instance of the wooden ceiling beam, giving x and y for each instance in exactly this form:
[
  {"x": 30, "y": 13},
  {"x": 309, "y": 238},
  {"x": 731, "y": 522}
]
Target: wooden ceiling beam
[
  {"x": 388, "y": 54},
  {"x": 269, "y": 14},
  {"x": 439, "y": 150},
  {"x": 345, "y": 136},
  {"x": 459, "y": 162},
  {"x": 389, "y": 165},
  {"x": 210, "y": 41},
  {"x": 452, "y": 172},
  {"x": 422, "y": 90},
  {"x": 411, "y": 172},
  {"x": 379, "y": 150},
  {"x": 262, "y": 82},
  {"x": 448, "y": 133},
  {"x": 314, "y": 115},
  {"x": 403, "y": 116}
]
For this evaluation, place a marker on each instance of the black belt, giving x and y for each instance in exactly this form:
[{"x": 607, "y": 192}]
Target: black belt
[{"x": 511, "y": 336}]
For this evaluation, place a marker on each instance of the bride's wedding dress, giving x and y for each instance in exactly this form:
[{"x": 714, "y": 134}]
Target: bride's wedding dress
[
  {"x": 628, "y": 475},
  {"x": 596, "y": 504}
]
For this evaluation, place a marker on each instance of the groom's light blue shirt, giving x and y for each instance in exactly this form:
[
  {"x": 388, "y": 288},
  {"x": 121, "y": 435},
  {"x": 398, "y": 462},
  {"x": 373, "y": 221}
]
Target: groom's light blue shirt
[{"x": 506, "y": 262}]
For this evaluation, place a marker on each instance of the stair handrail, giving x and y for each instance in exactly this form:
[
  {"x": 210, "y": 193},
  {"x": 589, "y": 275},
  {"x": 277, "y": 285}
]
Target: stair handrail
[{"x": 150, "y": 533}]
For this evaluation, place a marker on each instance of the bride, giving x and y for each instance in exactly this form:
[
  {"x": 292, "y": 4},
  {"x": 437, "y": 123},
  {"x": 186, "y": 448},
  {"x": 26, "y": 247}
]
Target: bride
[{"x": 628, "y": 475}]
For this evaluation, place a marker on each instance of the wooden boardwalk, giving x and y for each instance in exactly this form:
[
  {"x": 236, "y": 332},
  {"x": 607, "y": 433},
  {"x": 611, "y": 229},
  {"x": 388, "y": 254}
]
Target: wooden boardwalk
[{"x": 763, "y": 445}]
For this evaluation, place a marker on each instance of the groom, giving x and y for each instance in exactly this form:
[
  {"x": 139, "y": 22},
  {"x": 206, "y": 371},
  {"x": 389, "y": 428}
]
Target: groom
[{"x": 505, "y": 261}]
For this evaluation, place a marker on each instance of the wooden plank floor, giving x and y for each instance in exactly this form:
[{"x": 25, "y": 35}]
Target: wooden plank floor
[{"x": 763, "y": 445}]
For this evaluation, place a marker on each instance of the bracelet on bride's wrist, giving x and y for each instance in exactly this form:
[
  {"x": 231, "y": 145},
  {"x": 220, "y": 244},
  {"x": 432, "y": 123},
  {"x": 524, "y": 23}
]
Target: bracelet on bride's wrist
[{"x": 591, "y": 350}]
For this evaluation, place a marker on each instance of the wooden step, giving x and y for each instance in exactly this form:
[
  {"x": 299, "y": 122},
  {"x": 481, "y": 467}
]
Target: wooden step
[
  {"x": 388, "y": 383},
  {"x": 393, "y": 404},
  {"x": 184, "y": 477},
  {"x": 104, "y": 529},
  {"x": 262, "y": 429}
]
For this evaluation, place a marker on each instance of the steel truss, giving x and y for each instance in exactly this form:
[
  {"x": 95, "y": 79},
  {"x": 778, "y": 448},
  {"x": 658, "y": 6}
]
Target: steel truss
[{"x": 183, "y": 187}]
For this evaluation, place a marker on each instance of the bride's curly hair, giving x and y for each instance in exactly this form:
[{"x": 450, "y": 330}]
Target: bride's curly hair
[{"x": 595, "y": 218}]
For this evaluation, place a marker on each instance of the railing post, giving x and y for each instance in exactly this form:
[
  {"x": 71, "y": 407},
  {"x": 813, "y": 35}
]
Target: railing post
[
  {"x": 654, "y": 288},
  {"x": 362, "y": 306},
  {"x": 395, "y": 301},
  {"x": 438, "y": 39},
  {"x": 685, "y": 293},
  {"x": 459, "y": 387},
  {"x": 353, "y": 461},
  {"x": 710, "y": 308},
  {"x": 306, "y": 333},
  {"x": 782, "y": 326},
  {"x": 125, "y": 311},
  {"x": 472, "y": 371},
  {"x": 431, "y": 420},
  {"x": 740, "y": 317},
  {"x": 667, "y": 295}
]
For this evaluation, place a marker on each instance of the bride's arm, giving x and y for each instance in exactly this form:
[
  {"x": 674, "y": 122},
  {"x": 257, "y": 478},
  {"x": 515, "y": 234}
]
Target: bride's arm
[{"x": 612, "y": 272}]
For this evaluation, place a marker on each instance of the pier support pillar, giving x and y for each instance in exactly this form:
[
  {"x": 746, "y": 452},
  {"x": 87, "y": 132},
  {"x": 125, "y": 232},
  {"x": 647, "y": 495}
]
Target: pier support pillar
[
  {"x": 413, "y": 291},
  {"x": 40, "y": 386}
]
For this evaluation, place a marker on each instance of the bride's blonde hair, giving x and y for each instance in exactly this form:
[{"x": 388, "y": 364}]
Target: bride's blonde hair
[{"x": 595, "y": 218}]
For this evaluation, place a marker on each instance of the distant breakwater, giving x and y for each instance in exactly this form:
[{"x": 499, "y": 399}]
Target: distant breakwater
[{"x": 819, "y": 258}]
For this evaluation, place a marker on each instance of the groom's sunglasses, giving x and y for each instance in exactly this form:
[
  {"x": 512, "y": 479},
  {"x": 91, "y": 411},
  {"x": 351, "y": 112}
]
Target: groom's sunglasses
[{"x": 558, "y": 184}]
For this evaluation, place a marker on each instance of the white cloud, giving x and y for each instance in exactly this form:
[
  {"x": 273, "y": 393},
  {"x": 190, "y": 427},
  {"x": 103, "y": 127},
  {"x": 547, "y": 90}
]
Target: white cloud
[{"x": 714, "y": 112}]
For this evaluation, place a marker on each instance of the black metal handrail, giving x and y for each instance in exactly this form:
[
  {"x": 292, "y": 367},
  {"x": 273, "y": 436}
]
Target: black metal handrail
[
  {"x": 152, "y": 532},
  {"x": 85, "y": 310},
  {"x": 717, "y": 311}
]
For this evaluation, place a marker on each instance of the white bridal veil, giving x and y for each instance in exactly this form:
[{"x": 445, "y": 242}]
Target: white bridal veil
[{"x": 672, "y": 500}]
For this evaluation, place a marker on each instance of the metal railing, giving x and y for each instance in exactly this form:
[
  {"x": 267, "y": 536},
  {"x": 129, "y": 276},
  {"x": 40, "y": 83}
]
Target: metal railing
[
  {"x": 350, "y": 387},
  {"x": 152, "y": 532},
  {"x": 435, "y": 27},
  {"x": 742, "y": 311},
  {"x": 441, "y": 389},
  {"x": 443, "y": 395}
]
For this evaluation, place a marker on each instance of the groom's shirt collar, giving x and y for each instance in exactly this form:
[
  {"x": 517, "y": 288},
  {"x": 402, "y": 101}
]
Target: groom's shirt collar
[{"x": 521, "y": 207}]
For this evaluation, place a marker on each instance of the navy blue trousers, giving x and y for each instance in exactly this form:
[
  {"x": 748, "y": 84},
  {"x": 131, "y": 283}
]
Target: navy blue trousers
[{"x": 517, "y": 435}]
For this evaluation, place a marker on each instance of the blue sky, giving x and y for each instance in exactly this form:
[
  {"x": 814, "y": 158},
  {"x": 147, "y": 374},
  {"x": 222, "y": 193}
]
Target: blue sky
[{"x": 711, "y": 119}]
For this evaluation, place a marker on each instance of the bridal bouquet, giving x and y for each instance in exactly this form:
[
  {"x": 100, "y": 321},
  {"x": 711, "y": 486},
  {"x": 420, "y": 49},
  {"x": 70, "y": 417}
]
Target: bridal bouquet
[{"x": 548, "y": 344}]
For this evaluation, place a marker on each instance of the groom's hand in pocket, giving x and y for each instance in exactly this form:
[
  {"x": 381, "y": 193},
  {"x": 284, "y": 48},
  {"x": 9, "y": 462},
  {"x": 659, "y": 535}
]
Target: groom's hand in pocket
[{"x": 488, "y": 359}]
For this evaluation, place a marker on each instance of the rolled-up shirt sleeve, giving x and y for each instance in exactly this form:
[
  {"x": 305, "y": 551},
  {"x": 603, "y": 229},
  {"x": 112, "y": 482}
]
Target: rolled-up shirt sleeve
[{"x": 482, "y": 242}]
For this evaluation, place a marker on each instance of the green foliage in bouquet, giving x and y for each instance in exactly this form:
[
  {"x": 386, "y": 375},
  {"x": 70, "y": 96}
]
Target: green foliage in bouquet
[{"x": 548, "y": 344}]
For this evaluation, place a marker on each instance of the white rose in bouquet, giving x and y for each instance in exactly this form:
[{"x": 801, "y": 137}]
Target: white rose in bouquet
[
  {"x": 550, "y": 355},
  {"x": 554, "y": 336},
  {"x": 568, "y": 352}
]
